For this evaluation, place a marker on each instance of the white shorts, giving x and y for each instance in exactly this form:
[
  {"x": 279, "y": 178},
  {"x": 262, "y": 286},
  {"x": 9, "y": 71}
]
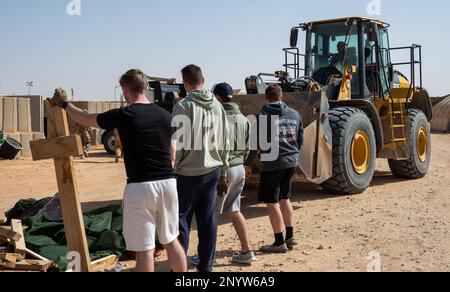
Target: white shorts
[
  {"x": 232, "y": 201},
  {"x": 148, "y": 208}
]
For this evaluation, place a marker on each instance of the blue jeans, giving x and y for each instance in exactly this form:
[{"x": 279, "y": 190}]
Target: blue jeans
[{"x": 197, "y": 195}]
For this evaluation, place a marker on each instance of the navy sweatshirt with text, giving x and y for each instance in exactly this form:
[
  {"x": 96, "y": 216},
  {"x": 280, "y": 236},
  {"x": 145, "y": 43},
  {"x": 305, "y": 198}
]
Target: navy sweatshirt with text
[{"x": 289, "y": 125}]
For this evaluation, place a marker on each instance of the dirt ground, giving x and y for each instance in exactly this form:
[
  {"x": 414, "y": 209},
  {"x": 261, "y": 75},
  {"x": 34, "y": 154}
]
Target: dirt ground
[{"x": 406, "y": 222}]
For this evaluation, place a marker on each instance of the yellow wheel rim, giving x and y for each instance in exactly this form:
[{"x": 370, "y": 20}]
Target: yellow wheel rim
[
  {"x": 361, "y": 152},
  {"x": 422, "y": 144}
]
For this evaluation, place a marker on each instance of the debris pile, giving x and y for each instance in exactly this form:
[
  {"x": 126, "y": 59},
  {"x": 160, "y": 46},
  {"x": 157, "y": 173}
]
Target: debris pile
[
  {"x": 14, "y": 255},
  {"x": 441, "y": 112},
  {"x": 41, "y": 245}
]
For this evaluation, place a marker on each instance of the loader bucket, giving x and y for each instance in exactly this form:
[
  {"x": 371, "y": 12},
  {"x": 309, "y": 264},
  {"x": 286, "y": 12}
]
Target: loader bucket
[{"x": 316, "y": 156}]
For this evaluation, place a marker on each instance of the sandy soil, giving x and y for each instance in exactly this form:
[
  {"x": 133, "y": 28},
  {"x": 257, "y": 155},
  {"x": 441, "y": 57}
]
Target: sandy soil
[{"x": 406, "y": 222}]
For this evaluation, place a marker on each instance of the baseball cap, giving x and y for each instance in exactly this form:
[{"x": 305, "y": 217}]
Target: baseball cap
[{"x": 223, "y": 90}]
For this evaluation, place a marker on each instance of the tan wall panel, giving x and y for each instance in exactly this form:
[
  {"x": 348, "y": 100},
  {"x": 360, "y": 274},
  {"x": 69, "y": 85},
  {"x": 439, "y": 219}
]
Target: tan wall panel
[
  {"x": 105, "y": 106},
  {"x": 24, "y": 115},
  {"x": 9, "y": 114},
  {"x": 25, "y": 139},
  {"x": 1, "y": 112}
]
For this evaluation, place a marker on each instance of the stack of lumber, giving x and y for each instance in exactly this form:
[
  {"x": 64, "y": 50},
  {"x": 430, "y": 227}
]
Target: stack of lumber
[{"x": 14, "y": 255}]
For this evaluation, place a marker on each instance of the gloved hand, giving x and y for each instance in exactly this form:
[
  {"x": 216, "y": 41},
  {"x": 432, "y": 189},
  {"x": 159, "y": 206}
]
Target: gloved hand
[
  {"x": 222, "y": 187},
  {"x": 60, "y": 98}
]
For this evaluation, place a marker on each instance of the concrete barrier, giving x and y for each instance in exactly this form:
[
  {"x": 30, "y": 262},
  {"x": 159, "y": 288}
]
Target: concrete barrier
[
  {"x": 25, "y": 139},
  {"x": 105, "y": 106},
  {"x": 10, "y": 114},
  {"x": 24, "y": 115},
  {"x": 99, "y": 109},
  {"x": 38, "y": 136},
  {"x": 1, "y": 112}
]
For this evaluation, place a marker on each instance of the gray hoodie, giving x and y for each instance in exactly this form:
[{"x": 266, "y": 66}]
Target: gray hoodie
[{"x": 208, "y": 123}]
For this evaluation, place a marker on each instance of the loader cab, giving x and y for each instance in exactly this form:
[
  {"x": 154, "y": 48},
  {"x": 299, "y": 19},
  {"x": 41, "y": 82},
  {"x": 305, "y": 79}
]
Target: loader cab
[{"x": 333, "y": 45}]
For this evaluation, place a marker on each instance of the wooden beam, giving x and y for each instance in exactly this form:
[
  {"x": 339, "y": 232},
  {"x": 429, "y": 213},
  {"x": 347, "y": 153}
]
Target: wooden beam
[
  {"x": 9, "y": 234},
  {"x": 32, "y": 265},
  {"x": 57, "y": 123},
  {"x": 36, "y": 255},
  {"x": 67, "y": 185},
  {"x": 4, "y": 265},
  {"x": 9, "y": 257},
  {"x": 104, "y": 263},
  {"x": 19, "y": 245},
  {"x": 56, "y": 147}
]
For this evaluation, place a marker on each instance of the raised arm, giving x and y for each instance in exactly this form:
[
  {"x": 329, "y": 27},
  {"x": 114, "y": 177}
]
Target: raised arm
[{"x": 81, "y": 117}]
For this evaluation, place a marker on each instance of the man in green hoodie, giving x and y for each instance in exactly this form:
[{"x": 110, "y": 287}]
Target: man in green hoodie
[
  {"x": 230, "y": 204},
  {"x": 201, "y": 164}
]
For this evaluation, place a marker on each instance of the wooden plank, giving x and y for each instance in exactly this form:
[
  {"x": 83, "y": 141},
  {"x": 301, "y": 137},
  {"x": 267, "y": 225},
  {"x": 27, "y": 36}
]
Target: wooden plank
[
  {"x": 24, "y": 227},
  {"x": 67, "y": 186},
  {"x": 9, "y": 257},
  {"x": 36, "y": 255},
  {"x": 19, "y": 245},
  {"x": 56, "y": 147},
  {"x": 4, "y": 265},
  {"x": 104, "y": 263},
  {"x": 10, "y": 234},
  {"x": 32, "y": 265},
  {"x": 57, "y": 124}
]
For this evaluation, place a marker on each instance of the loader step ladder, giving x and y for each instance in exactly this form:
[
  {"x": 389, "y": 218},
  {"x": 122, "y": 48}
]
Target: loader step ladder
[{"x": 398, "y": 123}]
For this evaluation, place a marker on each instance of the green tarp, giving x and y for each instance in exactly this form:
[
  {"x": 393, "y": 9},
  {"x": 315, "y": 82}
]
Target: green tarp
[{"x": 47, "y": 237}]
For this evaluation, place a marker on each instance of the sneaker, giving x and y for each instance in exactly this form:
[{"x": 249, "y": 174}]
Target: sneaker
[
  {"x": 291, "y": 243},
  {"x": 195, "y": 261},
  {"x": 244, "y": 258},
  {"x": 274, "y": 249}
]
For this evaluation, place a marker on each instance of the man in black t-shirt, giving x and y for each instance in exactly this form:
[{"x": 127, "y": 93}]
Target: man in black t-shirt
[{"x": 151, "y": 197}]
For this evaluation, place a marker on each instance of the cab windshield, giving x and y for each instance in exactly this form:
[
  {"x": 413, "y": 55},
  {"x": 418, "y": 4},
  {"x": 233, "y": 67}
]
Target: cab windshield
[{"x": 332, "y": 46}]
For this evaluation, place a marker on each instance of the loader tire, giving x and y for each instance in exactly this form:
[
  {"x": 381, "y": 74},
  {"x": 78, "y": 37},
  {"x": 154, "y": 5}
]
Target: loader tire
[
  {"x": 109, "y": 142},
  {"x": 418, "y": 163},
  {"x": 354, "y": 152}
]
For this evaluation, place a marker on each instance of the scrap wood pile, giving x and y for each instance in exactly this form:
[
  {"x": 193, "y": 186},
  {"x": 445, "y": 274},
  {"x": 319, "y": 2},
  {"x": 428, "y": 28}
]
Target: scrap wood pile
[
  {"x": 41, "y": 245},
  {"x": 14, "y": 255}
]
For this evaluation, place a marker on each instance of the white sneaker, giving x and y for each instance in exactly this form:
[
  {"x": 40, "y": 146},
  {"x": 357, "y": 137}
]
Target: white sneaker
[{"x": 244, "y": 258}]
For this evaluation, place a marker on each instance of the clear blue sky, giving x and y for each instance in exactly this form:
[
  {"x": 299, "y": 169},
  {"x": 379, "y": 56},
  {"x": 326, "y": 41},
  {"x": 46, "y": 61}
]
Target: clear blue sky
[{"x": 230, "y": 39}]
